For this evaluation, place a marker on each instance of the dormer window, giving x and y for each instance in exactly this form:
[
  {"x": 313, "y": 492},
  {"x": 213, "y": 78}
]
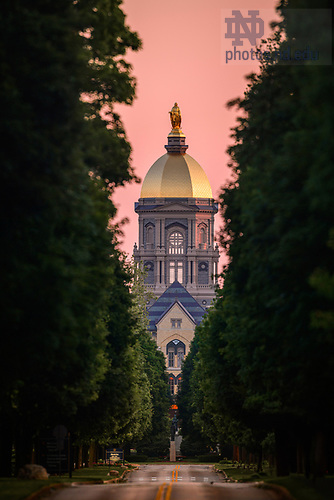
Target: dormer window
[{"x": 176, "y": 323}]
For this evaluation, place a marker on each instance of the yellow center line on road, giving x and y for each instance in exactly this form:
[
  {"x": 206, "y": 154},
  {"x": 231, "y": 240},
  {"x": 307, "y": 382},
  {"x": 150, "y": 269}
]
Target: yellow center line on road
[
  {"x": 175, "y": 473},
  {"x": 168, "y": 492},
  {"x": 160, "y": 490}
]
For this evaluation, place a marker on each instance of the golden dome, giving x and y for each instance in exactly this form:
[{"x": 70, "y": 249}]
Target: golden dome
[{"x": 176, "y": 176}]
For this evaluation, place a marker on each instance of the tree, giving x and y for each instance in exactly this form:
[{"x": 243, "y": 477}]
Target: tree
[
  {"x": 155, "y": 439},
  {"x": 133, "y": 402},
  {"x": 267, "y": 345},
  {"x": 62, "y": 67},
  {"x": 194, "y": 429}
]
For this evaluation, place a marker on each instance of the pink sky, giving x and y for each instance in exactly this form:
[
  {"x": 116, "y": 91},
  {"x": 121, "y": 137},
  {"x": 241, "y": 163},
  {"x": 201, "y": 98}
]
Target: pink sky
[{"x": 182, "y": 60}]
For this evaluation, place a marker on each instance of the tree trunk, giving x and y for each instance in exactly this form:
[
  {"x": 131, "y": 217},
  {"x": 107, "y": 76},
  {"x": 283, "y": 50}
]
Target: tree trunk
[
  {"x": 320, "y": 458},
  {"x": 259, "y": 460},
  {"x": 6, "y": 443},
  {"x": 283, "y": 451},
  {"x": 92, "y": 453},
  {"x": 23, "y": 449},
  {"x": 85, "y": 456},
  {"x": 80, "y": 457},
  {"x": 300, "y": 459}
]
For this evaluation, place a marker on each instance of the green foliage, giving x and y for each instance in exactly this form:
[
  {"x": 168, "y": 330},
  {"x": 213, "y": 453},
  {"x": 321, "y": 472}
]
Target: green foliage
[
  {"x": 265, "y": 350},
  {"x": 208, "y": 458},
  {"x": 196, "y": 423},
  {"x": 192, "y": 446},
  {"x": 155, "y": 439},
  {"x": 139, "y": 458},
  {"x": 60, "y": 161}
]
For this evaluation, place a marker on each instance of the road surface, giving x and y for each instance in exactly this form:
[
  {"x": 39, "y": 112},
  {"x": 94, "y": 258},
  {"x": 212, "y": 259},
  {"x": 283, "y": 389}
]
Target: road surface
[{"x": 168, "y": 482}]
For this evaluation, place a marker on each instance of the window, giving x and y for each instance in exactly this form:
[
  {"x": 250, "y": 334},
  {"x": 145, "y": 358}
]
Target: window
[
  {"x": 203, "y": 273},
  {"x": 171, "y": 384},
  {"x": 149, "y": 268},
  {"x": 176, "y": 243},
  {"x": 202, "y": 235},
  {"x": 180, "y": 356},
  {"x": 176, "y": 351},
  {"x": 149, "y": 236},
  {"x": 176, "y": 271},
  {"x": 176, "y": 323},
  {"x": 171, "y": 353},
  {"x": 179, "y": 380}
]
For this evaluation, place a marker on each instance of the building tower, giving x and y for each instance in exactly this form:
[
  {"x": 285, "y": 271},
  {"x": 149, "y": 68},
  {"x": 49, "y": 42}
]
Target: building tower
[{"x": 176, "y": 245}]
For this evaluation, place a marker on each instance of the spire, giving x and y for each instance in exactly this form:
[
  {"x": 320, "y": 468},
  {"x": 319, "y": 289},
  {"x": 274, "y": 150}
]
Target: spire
[{"x": 176, "y": 138}]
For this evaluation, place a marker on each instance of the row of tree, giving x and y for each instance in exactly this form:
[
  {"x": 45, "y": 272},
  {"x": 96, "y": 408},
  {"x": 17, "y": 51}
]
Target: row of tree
[
  {"x": 262, "y": 360},
  {"x": 73, "y": 348}
]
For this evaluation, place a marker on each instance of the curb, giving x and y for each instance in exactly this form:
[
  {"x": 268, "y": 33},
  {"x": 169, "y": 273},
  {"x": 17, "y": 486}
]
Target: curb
[
  {"x": 46, "y": 490},
  {"x": 118, "y": 479},
  {"x": 281, "y": 493},
  {"x": 220, "y": 471}
]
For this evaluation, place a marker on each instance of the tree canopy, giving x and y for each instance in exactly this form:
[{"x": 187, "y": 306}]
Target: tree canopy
[
  {"x": 267, "y": 347},
  {"x": 64, "y": 152}
]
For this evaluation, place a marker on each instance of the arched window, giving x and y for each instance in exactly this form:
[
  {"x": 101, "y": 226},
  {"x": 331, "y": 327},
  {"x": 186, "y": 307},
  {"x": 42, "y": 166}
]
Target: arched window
[
  {"x": 176, "y": 243},
  {"x": 202, "y": 235},
  {"x": 171, "y": 384},
  {"x": 171, "y": 355},
  {"x": 149, "y": 236},
  {"x": 180, "y": 357},
  {"x": 175, "y": 351}
]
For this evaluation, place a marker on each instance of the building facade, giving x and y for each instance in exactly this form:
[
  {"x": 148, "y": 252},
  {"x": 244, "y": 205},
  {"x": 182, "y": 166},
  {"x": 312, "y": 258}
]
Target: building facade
[{"x": 176, "y": 245}]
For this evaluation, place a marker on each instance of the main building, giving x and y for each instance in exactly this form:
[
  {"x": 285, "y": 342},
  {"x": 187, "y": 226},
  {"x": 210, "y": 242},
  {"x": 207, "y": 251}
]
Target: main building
[{"x": 176, "y": 245}]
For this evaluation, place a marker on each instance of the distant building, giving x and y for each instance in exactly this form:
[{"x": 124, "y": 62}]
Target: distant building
[{"x": 176, "y": 245}]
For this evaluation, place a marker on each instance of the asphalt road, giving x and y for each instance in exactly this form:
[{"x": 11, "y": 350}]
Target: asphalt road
[
  {"x": 167, "y": 482},
  {"x": 176, "y": 473}
]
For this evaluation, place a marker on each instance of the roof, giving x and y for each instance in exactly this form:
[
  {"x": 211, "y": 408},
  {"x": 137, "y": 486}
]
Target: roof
[
  {"x": 176, "y": 302},
  {"x": 176, "y": 176},
  {"x": 175, "y": 293}
]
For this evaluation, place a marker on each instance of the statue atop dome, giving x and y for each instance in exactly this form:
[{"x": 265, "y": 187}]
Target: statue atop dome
[{"x": 175, "y": 117}]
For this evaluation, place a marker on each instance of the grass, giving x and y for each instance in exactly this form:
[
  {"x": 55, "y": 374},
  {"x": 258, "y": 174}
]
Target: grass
[
  {"x": 20, "y": 489},
  {"x": 241, "y": 474},
  {"x": 298, "y": 486},
  {"x": 307, "y": 489}
]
